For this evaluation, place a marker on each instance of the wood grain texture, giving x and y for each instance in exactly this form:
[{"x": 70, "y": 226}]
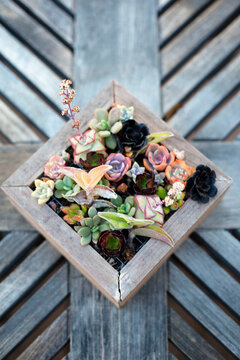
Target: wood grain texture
[
  {"x": 37, "y": 37},
  {"x": 203, "y": 28},
  {"x": 224, "y": 246},
  {"x": 67, "y": 242},
  {"x": 37, "y": 73},
  {"x": 210, "y": 274},
  {"x": 200, "y": 66},
  {"x": 221, "y": 153},
  {"x": 46, "y": 345},
  {"x": 49, "y": 13},
  {"x": 35, "y": 310},
  {"x": 204, "y": 310},
  {"x": 197, "y": 108},
  {"x": 178, "y": 14},
  {"x": 27, "y": 275},
  {"x": 13, "y": 246},
  {"x": 189, "y": 341},
  {"x": 124, "y": 27},
  {"x": 13, "y": 127},
  {"x": 100, "y": 331},
  {"x": 223, "y": 122},
  {"x": 31, "y": 106}
]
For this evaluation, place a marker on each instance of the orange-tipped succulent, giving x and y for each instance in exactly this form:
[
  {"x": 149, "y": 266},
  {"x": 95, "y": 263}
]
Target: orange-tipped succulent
[
  {"x": 178, "y": 171},
  {"x": 158, "y": 157}
]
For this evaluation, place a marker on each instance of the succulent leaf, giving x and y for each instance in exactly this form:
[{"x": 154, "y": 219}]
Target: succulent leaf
[{"x": 153, "y": 231}]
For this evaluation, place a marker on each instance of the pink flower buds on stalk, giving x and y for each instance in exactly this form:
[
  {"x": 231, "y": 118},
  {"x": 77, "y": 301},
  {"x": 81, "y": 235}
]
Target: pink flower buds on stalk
[{"x": 69, "y": 95}]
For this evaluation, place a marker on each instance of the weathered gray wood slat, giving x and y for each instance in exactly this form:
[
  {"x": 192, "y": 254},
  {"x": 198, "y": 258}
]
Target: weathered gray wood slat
[
  {"x": 100, "y": 330},
  {"x": 226, "y": 214},
  {"x": 10, "y": 159},
  {"x": 179, "y": 13},
  {"x": 208, "y": 271},
  {"x": 171, "y": 357},
  {"x": 69, "y": 4},
  {"x": 222, "y": 123},
  {"x": 53, "y": 16},
  {"x": 13, "y": 127},
  {"x": 36, "y": 72},
  {"x": 32, "y": 106},
  {"x": 198, "y": 32},
  {"x": 204, "y": 310},
  {"x": 114, "y": 334},
  {"x": 26, "y": 275},
  {"x": 12, "y": 248},
  {"x": 129, "y": 53},
  {"x": 46, "y": 345},
  {"x": 37, "y": 37},
  {"x": 224, "y": 246},
  {"x": 181, "y": 84},
  {"x": 189, "y": 341},
  {"x": 34, "y": 311},
  {"x": 197, "y": 108}
]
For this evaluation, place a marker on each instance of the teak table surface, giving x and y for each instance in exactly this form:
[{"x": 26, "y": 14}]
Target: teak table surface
[{"x": 181, "y": 58}]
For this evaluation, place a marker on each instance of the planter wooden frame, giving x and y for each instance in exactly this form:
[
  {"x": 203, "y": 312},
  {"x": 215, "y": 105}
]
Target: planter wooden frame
[{"x": 119, "y": 287}]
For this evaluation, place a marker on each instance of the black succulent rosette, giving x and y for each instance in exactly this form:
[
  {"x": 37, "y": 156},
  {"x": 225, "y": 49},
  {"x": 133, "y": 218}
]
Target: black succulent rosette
[
  {"x": 111, "y": 242},
  {"x": 133, "y": 136},
  {"x": 200, "y": 187},
  {"x": 145, "y": 184}
]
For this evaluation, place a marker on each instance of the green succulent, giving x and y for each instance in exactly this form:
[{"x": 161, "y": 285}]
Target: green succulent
[
  {"x": 91, "y": 227},
  {"x": 65, "y": 188},
  {"x": 107, "y": 125}
]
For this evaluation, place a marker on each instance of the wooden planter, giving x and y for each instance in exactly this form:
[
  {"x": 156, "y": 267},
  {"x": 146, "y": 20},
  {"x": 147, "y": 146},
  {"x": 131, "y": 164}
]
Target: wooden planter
[{"x": 119, "y": 287}]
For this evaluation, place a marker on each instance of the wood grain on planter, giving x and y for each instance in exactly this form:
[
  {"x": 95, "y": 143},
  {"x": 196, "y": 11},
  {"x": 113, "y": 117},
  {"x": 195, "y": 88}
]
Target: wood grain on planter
[{"x": 118, "y": 287}]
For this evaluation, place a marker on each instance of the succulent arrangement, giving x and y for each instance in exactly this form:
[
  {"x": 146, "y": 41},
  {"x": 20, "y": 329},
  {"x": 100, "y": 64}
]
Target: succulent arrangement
[{"x": 116, "y": 181}]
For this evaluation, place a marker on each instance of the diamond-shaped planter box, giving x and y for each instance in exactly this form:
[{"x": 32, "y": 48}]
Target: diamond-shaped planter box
[{"x": 119, "y": 287}]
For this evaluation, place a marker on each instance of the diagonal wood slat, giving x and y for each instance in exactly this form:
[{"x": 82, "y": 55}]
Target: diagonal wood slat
[
  {"x": 37, "y": 308},
  {"x": 189, "y": 341},
  {"x": 200, "y": 66},
  {"x": 208, "y": 271},
  {"x": 27, "y": 275},
  {"x": 12, "y": 248},
  {"x": 196, "y": 109},
  {"x": 199, "y": 32},
  {"x": 47, "y": 345},
  {"x": 204, "y": 310},
  {"x": 40, "y": 40}
]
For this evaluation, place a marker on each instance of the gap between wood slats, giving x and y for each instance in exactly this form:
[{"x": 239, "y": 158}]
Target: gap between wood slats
[
  {"x": 31, "y": 85},
  {"x": 209, "y": 117},
  {"x": 35, "y": 51},
  {"x": 21, "y": 301},
  {"x": 64, "y": 7},
  {"x": 176, "y": 351},
  {"x": 23, "y": 345},
  {"x": 44, "y": 24},
  {"x": 164, "y": 5},
  {"x": 233, "y": 134},
  {"x": 199, "y": 47},
  {"x": 178, "y": 308},
  {"x": 193, "y": 92},
  {"x": 221, "y": 262},
  {"x": 21, "y": 257},
  {"x": 185, "y": 23},
  {"x": 210, "y": 293}
]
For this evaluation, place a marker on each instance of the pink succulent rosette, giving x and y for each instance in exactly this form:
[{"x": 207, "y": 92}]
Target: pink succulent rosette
[
  {"x": 53, "y": 166},
  {"x": 150, "y": 208},
  {"x": 158, "y": 157},
  {"x": 120, "y": 165}
]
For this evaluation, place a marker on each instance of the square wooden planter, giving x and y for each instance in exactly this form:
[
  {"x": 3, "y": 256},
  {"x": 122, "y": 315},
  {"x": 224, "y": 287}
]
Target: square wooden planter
[{"x": 119, "y": 287}]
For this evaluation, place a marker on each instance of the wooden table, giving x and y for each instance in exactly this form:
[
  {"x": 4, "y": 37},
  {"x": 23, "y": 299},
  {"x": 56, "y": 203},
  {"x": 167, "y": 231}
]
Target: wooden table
[{"x": 190, "y": 308}]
